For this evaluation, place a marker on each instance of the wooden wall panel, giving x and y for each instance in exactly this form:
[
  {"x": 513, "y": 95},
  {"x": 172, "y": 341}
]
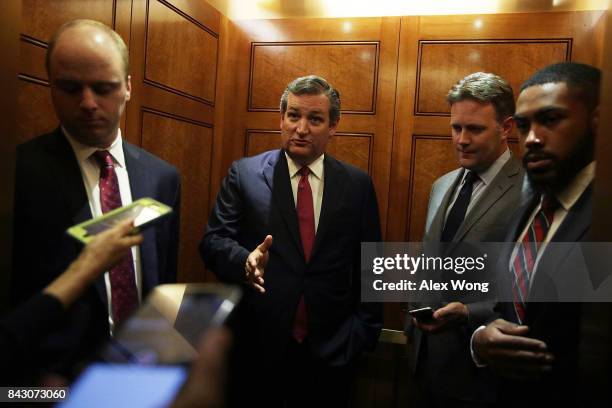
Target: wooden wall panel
[
  {"x": 35, "y": 114},
  {"x": 200, "y": 11},
  {"x": 351, "y": 67},
  {"x": 441, "y": 63},
  {"x": 32, "y": 59},
  {"x": 174, "y": 57},
  {"x": 188, "y": 146},
  {"x": 181, "y": 53},
  {"x": 43, "y": 17},
  {"x": 351, "y": 148},
  {"x": 435, "y": 156},
  {"x": 355, "y": 149},
  {"x": 259, "y": 141}
]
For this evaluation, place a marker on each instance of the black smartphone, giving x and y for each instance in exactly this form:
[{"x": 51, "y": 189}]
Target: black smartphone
[{"x": 424, "y": 314}]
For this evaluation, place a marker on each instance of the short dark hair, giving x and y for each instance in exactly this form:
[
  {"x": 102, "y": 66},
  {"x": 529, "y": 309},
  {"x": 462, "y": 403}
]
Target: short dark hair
[
  {"x": 116, "y": 38},
  {"x": 485, "y": 87},
  {"x": 313, "y": 85},
  {"x": 581, "y": 79}
]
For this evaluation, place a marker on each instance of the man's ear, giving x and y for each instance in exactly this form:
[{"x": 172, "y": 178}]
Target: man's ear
[
  {"x": 128, "y": 88},
  {"x": 507, "y": 127},
  {"x": 333, "y": 126}
]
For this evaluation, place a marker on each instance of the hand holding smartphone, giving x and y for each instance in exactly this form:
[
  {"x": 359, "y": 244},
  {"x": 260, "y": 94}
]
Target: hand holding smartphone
[{"x": 423, "y": 315}]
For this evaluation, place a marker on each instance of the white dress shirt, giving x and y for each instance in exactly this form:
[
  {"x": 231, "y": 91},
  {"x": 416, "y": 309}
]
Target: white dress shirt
[
  {"x": 315, "y": 178},
  {"x": 90, "y": 171}
]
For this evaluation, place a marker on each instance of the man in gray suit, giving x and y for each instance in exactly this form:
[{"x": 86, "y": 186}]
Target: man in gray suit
[{"x": 469, "y": 204}]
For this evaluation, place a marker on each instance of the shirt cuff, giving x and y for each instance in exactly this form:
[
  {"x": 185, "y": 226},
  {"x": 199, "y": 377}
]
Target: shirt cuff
[{"x": 479, "y": 363}]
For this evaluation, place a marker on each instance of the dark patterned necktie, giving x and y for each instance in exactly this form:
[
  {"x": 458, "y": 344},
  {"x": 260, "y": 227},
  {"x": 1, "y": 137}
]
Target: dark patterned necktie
[
  {"x": 457, "y": 213},
  {"x": 527, "y": 253},
  {"x": 305, "y": 213},
  {"x": 124, "y": 296}
]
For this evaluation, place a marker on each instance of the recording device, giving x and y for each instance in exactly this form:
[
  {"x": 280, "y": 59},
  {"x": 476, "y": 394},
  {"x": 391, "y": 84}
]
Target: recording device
[
  {"x": 152, "y": 350},
  {"x": 145, "y": 212},
  {"x": 168, "y": 327}
]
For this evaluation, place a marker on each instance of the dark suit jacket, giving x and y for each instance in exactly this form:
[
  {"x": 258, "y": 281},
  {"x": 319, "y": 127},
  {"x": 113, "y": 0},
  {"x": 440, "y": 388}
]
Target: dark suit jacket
[
  {"x": 557, "y": 324},
  {"x": 255, "y": 200},
  {"x": 50, "y": 196},
  {"x": 445, "y": 360}
]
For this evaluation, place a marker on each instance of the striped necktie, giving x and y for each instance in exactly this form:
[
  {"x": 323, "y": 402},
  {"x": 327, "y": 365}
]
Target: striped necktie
[{"x": 527, "y": 253}]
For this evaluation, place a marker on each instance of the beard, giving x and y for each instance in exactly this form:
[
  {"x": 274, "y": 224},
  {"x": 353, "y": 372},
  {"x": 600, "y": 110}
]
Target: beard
[{"x": 561, "y": 172}]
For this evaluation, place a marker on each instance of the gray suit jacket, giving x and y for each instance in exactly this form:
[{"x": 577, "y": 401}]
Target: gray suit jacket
[
  {"x": 488, "y": 220},
  {"x": 444, "y": 359}
]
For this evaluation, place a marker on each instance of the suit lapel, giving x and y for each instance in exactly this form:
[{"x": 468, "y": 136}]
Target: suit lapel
[
  {"x": 333, "y": 190},
  {"x": 140, "y": 182},
  {"x": 502, "y": 182},
  {"x": 574, "y": 228},
  {"x": 276, "y": 173},
  {"x": 434, "y": 233},
  {"x": 578, "y": 220},
  {"x": 69, "y": 180},
  {"x": 141, "y": 185}
]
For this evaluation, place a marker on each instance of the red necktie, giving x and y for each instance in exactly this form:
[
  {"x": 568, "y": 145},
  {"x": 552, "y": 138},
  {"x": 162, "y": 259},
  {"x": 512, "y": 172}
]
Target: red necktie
[
  {"x": 305, "y": 213},
  {"x": 527, "y": 253},
  {"x": 124, "y": 296}
]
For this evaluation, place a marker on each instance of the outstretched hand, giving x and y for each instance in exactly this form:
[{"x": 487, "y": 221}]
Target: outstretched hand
[{"x": 255, "y": 265}]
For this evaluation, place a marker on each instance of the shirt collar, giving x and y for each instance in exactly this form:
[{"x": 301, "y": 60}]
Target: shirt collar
[
  {"x": 84, "y": 152},
  {"x": 316, "y": 167},
  {"x": 569, "y": 195},
  {"x": 489, "y": 174}
]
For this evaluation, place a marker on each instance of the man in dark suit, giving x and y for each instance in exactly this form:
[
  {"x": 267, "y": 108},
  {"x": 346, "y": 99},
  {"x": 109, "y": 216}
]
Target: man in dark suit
[
  {"x": 60, "y": 181},
  {"x": 288, "y": 224},
  {"x": 535, "y": 344},
  {"x": 469, "y": 204}
]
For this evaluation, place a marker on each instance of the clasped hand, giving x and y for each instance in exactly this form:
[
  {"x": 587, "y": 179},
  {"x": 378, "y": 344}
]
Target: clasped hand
[{"x": 506, "y": 349}]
